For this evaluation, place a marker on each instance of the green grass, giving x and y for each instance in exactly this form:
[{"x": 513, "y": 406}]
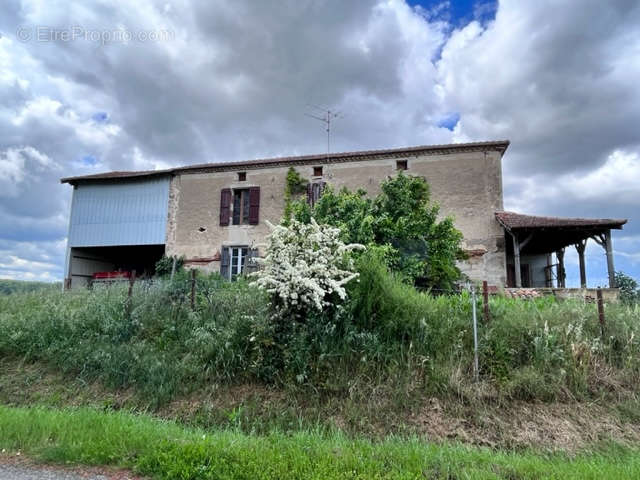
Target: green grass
[
  {"x": 389, "y": 336},
  {"x": 163, "y": 449}
]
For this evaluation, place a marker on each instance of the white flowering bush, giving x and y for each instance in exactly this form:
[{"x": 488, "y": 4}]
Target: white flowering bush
[{"x": 306, "y": 267}]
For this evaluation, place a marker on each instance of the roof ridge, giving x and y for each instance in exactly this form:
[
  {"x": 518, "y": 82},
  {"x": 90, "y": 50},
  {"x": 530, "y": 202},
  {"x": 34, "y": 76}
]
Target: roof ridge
[{"x": 500, "y": 145}]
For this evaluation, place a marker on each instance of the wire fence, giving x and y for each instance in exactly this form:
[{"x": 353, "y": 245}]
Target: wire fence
[{"x": 194, "y": 284}]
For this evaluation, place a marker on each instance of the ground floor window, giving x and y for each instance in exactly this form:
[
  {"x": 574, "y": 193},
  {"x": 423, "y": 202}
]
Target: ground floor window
[{"x": 236, "y": 260}]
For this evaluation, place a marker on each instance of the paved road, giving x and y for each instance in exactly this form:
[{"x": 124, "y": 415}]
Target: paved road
[
  {"x": 22, "y": 472},
  {"x": 29, "y": 471}
]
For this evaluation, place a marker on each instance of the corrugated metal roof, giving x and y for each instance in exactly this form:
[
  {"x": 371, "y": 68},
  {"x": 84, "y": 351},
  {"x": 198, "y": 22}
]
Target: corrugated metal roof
[
  {"x": 515, "y": 220},
  {"x": 499, "y": 145}
]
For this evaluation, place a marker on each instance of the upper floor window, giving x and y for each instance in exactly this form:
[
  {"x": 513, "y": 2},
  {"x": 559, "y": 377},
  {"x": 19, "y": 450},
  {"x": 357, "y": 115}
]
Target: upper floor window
[
  {"x": 401, "y": 165},
  {"x": 241, "y": 206},
  {"x": 242, "y": 176},
  {"x": 317, "y": 171},
  {"x": 314, "y": 192}
]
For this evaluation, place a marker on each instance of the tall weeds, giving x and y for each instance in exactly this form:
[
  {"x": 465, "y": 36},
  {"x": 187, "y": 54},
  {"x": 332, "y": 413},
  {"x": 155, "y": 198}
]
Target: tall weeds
[{"x": 388, "y": 336}]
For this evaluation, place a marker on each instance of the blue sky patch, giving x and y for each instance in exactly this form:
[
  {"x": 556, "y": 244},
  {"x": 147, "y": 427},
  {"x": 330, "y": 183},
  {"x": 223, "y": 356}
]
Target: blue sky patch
[
  {"x": 89, "y": 160},
  {"x": 100, "y": 117},
  {"x": 458, "y": 13},
  {"x": 450, "y": 121}
]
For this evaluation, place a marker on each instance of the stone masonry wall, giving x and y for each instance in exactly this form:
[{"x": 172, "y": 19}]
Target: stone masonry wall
[{"x": 467, "y": 185}]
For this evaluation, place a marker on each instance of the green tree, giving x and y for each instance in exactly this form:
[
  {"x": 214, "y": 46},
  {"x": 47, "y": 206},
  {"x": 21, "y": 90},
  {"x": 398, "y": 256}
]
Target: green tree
[
  {"x": 401, "y": 221},
  {"x": 629, "y": 291}
]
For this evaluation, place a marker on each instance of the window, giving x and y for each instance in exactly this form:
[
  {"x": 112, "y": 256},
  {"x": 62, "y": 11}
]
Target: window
[
  {"x": 237, "y": 260},
  {"x": 401, "y": 165},
  {"x": 314, "y": 192},
  {"x": 242, "y": 176},
  {"x": 238, "y": 257},
  {"x": 317, "y": 171},
  {"x": 241, "y": 207}
]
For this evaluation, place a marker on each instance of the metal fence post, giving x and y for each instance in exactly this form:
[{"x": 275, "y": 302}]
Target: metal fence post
[{"x": 475, "y": 334}]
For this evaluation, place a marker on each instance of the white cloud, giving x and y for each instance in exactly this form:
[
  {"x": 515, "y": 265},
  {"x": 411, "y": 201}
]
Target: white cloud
[{"x": 235, "y": 78}]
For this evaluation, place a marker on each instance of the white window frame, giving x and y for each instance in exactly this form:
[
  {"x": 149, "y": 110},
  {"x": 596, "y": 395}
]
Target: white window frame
[{"x": 240, "y": 265}]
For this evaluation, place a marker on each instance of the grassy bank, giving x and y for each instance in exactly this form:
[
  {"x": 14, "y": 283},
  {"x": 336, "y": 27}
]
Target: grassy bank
[
  {"x": 391, "y": 361},
  {"x": 166, "y": 450},
  {"x": 389, "y": 336}
]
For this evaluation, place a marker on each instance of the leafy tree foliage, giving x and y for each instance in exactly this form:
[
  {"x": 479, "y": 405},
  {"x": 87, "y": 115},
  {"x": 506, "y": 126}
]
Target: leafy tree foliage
[
  {"x": 165, "y": 265},
  {"x": 629, "y": 289},
  {"x": 401, "y": 222}
]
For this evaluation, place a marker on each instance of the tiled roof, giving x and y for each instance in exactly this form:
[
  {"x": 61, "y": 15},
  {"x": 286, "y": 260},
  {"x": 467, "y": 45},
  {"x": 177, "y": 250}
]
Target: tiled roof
[
  {"x": 499, "y": 145},
  {"x": 514, "y": 220}
]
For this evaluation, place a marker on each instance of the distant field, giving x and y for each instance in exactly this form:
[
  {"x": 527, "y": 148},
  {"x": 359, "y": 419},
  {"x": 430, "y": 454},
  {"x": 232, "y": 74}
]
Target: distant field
[{"x": 18, "y": 286}]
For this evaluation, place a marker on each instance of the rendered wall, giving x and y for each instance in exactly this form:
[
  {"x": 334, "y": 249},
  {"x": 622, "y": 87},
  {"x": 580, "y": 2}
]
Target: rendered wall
[{"x": 467, "y": 185}]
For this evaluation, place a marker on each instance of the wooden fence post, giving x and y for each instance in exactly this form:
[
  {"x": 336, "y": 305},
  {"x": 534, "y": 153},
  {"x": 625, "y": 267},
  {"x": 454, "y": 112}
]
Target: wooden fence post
[
  {"x": 193, "y": 289},
  {"x": 485, "y": 300},
  {"x": 600, "y": 311},
  {"x": 132, "y": 280}
]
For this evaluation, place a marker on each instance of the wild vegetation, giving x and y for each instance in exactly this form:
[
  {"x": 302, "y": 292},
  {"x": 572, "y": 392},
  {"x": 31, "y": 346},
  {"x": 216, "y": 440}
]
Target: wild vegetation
[
  {"x": 401, "y": 223},
  {"x": 387, "y": 333},
  {"x": 165, "y": 450}
]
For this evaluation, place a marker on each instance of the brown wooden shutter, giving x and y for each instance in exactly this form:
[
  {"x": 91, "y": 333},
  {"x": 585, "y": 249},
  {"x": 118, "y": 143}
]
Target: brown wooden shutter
[
  {"x": 310, "y": 193},
  {"x": 224, "y": 262},
  {"x": 254, "y": 205},
  {"x": 225, "y": 206}
]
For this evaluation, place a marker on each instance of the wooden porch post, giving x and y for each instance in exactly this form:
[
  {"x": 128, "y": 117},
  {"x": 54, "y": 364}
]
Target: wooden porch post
[
  {"x": 580, "y": 247},
  {"x": 517, "y": 274},
  {"x": 609, "y": 249},
  {"x": 561, "y": 272}
]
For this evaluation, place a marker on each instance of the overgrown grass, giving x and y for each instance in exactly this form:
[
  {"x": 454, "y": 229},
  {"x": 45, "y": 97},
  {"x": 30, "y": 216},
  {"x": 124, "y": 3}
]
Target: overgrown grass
[
  {"x": 165, "y": 450},
  {"x": 390, "y": 337}
]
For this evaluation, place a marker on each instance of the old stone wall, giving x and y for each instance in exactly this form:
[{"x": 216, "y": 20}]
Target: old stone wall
[{"x": 467, "y": 185}]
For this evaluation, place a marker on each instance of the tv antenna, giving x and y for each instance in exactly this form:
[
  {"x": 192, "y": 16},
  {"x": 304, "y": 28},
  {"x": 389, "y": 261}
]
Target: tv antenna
[{"x": 327, "y": 116}]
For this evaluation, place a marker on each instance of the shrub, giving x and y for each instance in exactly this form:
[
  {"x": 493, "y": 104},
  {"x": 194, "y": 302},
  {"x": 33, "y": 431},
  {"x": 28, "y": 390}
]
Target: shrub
[
  {"x": 165, "y": 265},
  {"x": 629, "y": 289},
  {"x": 401, "y": 219},
  {"x": 306, "y": 267}
]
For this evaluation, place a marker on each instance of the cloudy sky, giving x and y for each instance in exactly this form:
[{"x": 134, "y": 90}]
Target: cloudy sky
[{"x": 87, "y": 87}]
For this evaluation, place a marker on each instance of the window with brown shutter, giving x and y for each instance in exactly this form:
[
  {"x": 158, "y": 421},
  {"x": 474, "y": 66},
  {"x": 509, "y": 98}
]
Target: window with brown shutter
[
  {"x": 401, "y": 165},
  {"x": 314, "y": 192},
  {"x": 237, "y": 260},
  {"x": 225, "y": 206},
  {"x": 317, "y": 171},
  {"x": 241, "y": 206}
]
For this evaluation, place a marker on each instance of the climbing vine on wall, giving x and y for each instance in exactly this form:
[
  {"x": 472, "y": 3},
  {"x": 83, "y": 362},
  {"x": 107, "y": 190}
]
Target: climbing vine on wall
[{"x": 295, "y": 185}]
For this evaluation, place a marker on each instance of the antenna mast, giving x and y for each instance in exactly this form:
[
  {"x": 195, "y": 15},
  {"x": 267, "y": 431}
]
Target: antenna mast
[{"x": 326, "y": 118}]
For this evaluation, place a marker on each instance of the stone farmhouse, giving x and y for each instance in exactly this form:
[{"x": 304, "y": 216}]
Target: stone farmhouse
[{"x": 215, "y": 214}]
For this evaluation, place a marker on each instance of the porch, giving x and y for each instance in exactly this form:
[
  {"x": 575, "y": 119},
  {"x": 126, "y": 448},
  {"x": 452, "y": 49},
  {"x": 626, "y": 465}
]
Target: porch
[{"x": 532, "y": 240}]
